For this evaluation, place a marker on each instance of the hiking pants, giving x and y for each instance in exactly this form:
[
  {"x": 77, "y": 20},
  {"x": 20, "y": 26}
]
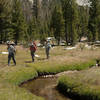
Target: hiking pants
[
  {"x": 13, "y": 58},
  {"x": 33, "y": 55},
  {"x": 47, "y": 52}
]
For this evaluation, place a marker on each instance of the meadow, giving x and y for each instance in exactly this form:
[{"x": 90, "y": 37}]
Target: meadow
[
  {"x": 83, "y": 85},
  {"x": 60, "y": 60}
]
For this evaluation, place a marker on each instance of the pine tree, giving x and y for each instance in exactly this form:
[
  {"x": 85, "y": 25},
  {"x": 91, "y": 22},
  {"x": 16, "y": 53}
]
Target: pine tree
[
  {"x": 45, "y": 16},
  {"x": 57, "y": 24},
  {"x": 94, "y": 19},
  {"x": 4, "y": 19},
  {"x": 83, "y": 21},
  {"x": 32, "y": 33},
  {"x": 19, "y": 25},
  {"x": 74, "y": 21},
  {"x": 70, "y": 13},
  {"x": 36, "y": 15}
]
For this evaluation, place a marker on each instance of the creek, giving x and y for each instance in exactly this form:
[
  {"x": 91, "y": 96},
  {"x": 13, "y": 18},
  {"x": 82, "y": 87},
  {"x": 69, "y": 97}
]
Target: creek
[{"x": 45, "y": 87}]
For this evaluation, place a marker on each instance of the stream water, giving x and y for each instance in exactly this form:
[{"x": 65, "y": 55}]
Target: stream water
[{"x": 45, "y": 87}]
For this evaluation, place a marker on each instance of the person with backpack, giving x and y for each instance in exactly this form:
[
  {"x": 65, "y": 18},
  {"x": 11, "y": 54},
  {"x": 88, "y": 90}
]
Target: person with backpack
[
  {"x": 33, "y": 48},
  {"x": 11, "y": 52},
  {"x": 47, "y": 48}
]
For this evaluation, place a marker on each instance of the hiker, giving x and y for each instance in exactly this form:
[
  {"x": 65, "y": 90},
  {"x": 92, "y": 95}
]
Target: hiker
[
  {"x": 33, "y": 48},
  {"x": 47, "y": 48},
  {"x": 11, "y": 52}
]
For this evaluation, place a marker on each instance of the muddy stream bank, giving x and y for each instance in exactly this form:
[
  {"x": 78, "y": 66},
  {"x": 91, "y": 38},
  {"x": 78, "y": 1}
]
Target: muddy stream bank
[{"x": 45, "y": 87}]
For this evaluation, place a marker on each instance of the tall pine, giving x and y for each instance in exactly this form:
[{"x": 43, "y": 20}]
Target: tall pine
[
  {"x": 57, "y": 24},
  {"x": 32, "y": 29},
  {"x": 5, "y": 19},
  {"x": 94, "y": 20},
  {"x": 83, "y": 21},
  {"x": 70, "y": 13},
  {"x": 19, "y": 25}
]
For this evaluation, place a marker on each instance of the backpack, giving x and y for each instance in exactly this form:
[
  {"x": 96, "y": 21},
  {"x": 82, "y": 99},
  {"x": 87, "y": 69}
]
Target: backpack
[
  {"x": 11, "y": 49},
  {"x": 48, "y": 45},
  {"x": 33, "y": 47}
]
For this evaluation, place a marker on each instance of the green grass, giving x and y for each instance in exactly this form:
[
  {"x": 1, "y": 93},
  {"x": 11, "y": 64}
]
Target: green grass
[
  {"x": 60, "y": 60},
  {"x": 12, "y": 92},
  {"x": 10, "y": 78},
  {"x": 46, "y": 68},
  {"x": 17, "y": 75},
  {"x": 84, "y": 85}
]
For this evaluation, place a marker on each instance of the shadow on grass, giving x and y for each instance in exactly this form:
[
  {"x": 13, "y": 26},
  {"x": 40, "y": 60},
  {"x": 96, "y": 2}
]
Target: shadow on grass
[
  {"x": 41, "y": 59},
  {"x": 28, "y": 61}
]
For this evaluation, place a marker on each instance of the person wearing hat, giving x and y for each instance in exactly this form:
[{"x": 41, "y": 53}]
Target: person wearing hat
[
  {"x": 11, "y": 52},
  {"x": 47, "y": 48}
]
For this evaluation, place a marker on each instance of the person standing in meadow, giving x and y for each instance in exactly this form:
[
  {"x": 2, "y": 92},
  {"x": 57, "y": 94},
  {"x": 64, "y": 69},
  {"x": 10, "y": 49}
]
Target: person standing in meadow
[
  {"x": 33, "y": 48},
  {"x": 47, "y": 48},
  {"x": 11, "y": 52}
]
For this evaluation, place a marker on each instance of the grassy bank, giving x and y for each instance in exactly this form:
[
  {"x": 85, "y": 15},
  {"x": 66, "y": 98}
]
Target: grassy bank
[
  {"x": 83, "y": 85},
  {"x": 10, "y": 78},
  {"x": 46, "y": 68},
  {"x": 12, "y": 92},
  {"x": 60, "y": 60},
  {"x": 17, "y": 75}
]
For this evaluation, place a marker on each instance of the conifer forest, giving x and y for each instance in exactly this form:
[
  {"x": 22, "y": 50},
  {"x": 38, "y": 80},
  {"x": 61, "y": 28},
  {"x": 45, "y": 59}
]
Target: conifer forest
[{"x": 68, "y": 20}]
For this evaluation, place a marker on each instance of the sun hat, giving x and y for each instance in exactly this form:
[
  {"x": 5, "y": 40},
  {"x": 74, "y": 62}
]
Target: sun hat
[{"x": 12, "y": 43}]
